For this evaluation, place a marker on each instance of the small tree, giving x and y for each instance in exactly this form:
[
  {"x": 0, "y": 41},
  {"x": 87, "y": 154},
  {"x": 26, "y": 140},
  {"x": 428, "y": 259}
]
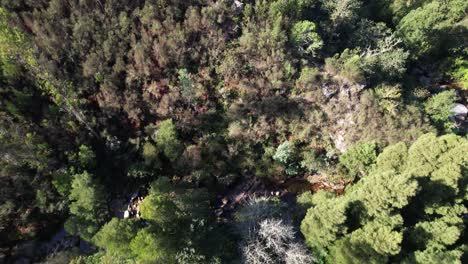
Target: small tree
[
  {"x": 347, "y": 65},
  {"x": 87, "y": 206},
  {"x": 167, "y": 141},
  {"x": 439, "y": 107},
  {"x": 459, "y": 72},
  {"x": 187, "y": 88},
  {"x": 305, "y": 37},
  {"x": 286, "y": 155},
  {"x": 159, "y": 206},
  {"x": 284, "y": 152},
  {"x": 426, "y": 30},
  {"x": 86, "y": 157}
]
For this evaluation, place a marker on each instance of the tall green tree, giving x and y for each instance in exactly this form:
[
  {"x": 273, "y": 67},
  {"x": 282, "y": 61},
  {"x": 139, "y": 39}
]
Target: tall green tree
[
  {"x": 427, "y": 29},
  {"x": 115, "y": 237},
  {"x": 88, "y": 208},
  {"x": 167, "y": 140},
  {"x": 439, "y": 107},
  {"x": 408, "y": 209}
]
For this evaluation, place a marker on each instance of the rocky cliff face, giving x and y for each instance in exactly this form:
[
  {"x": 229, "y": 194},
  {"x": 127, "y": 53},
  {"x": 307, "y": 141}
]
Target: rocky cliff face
[
  {"x": 342, "y": 108},
  {"x": 352, "y": 112}
]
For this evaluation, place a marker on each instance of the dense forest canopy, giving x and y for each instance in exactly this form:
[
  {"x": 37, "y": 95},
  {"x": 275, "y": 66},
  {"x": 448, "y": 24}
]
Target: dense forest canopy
[{"x": 233, "y": 131}]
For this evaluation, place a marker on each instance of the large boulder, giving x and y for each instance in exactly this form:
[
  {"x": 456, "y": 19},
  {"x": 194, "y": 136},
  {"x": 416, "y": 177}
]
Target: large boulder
[{"x": 459, "y": 110}]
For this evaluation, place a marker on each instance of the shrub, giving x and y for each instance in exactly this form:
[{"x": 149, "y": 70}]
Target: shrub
[
  {"x": 311, "y": 161},
  {"x": 151, "y": 155},
  {"x": 286, "y": 155},
  {"x": 347, "y": 65},
  {"x": 439, "y": 107},
  {"x": 167, "y": 141},
  {"x": 86, "y": 157}
]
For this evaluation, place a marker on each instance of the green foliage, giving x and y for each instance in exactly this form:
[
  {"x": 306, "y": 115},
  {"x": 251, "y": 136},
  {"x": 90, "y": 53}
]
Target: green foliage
[
  {"x": 385, "y": 61},
  {"x": 359, "y": 159},
  {"x": 6, "y": 210},
  {"x": 286, "y": 155},
  {"x": 45, "y": 201},
  {"x": 285, "y": 7},
  {"x": 62, "y": 181},
  {"x": 323, "y": 224},
  {"x": 400, "y": 8},
  {"x": 385, "y": 191},
  {"x": 437, "y": 254},
  {"x": 159, "y": 206},
  {"x": 306, "y": 38},
  {"x": 439, "y": 107},
  {"x": 151, "y": 155},
  {"x": 342, "y": 12},
  {"x": 406, "y": 191},
  {"x": 381, "y": 234},
  {"x": 309, "y": 76},
  {"x": 87, "y": 206},
  {"x": 312, "y": 162},
  {"x": 13, "y": 110},
  {"x": 176, "y": 223},
  {"x": 86, "y": 157},
  {"x": 345, "y": 252},
  {"x": 186, "y": 83},
  {"x": 141, "y": 170},
  {"x": 167, "y": 141},
  {"x": 309, "y": 199},
  {"x": 392, "y": 157},
  {"x": 370, "y": 123},
  {"x": 13, "y": 42},
  {"x": 284, "y": 152},
  {"x": 178, "y": 220},
  {"x": 389, "y": 97},
  {"x": 115, "y": 236},
  {"x": 460, "y": 73},
  {"x": 376, "y": 55},
  {"x": 91, "y": 259},
  {"x": 112, "y": 91},
  {"x": 149, "y": 248},
  {"x": 426, "y": 29}
]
